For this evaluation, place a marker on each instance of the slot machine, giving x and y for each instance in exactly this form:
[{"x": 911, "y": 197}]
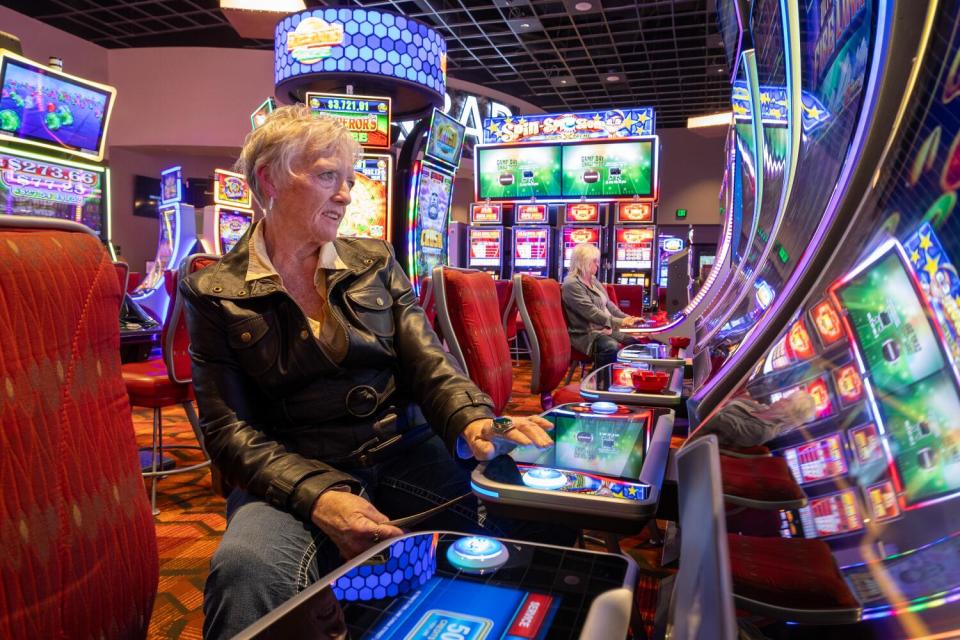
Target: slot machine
[
  {"x": 582, "y": 223},
  {"x": 230, "y": 216},
  {"x": 488, "y": 240},
  {"x": 532, "y": 240}
]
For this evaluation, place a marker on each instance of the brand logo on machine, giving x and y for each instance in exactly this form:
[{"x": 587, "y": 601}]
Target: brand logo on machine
[
  {"x": 637, "y": 236},
  {"x": 583, "y": 212},
  {"x": 636, "y": 212},
  {"x": 312, "y": 39},
  {"x": 585, "y": 437},
  {"x": 581, "y": 235}
]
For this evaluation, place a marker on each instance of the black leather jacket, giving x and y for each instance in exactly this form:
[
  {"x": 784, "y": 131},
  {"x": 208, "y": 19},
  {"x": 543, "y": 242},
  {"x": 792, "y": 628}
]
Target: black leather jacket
[{"x": 275, "y": 410}]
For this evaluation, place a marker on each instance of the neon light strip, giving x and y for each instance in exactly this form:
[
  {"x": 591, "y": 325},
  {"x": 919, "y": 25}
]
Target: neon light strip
[
  {"x": 878, "y": 54},
  {"x": 412, "y": 228}
]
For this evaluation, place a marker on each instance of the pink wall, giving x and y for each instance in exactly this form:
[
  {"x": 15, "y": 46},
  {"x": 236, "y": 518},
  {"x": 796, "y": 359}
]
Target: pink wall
[{"x": 691, "y": 168}]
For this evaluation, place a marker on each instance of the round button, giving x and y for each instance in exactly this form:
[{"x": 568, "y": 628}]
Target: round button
[
  {"x": 604, "y": 407},
  {"x": 477, "y": 554},
  {"x": 304, "y": 334},
  {"x": 380, "y": 301},
  {"x": 246, "y": 336},
  {"x": 544, "y": 478}
]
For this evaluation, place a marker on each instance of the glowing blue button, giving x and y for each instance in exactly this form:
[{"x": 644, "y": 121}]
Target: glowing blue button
[
  {"x": 477, "y": 554},
  {"x": 544, "y": 478},
  {"x": 604, "y": 407}
]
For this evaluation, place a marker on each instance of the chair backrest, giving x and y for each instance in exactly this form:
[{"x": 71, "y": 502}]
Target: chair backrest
[
  {"x": 123, "y": 275},
  {"x": 427, "y": 301},
  {"x": 541, "y": 308},
  {"x": 81, "y": 557},
  {"x": 702, "y": 607},
  {"x": 611, "y": 290},
  {"x": 470, "y": 320},
  {"x": 629, "y": 298},
  {"x": 176, "y": 338},
  {"x": 508, "y": 307}
]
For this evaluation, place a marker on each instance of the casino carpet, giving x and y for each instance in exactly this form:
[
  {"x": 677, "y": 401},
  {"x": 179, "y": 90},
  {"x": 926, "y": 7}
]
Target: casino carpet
[{"x": 191, "y": 522}]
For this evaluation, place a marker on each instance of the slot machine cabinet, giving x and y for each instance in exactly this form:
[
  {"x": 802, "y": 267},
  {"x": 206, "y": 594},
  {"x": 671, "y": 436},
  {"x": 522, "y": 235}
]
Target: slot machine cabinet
[
  {"x": 488, "y": 240},
  {"x": 582, "y": 222},
  {"x": 532, "y": 240}
]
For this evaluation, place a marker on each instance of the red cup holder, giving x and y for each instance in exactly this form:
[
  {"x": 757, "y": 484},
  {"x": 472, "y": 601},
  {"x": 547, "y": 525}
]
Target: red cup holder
[{"x": 650, "y": 381}]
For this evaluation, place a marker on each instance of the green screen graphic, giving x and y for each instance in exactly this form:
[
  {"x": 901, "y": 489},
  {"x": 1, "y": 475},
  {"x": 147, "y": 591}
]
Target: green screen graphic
[
  {"x": 923, "y": 429},
  {"x": 890, "y": 324},
  {"x": 608, "y": 170},
  {"x": 518, "y": 173}
]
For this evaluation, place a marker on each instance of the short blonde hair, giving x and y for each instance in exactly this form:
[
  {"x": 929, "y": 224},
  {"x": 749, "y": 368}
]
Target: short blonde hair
[
  {"x": 290, "y": 138},
  {"x": 581, "y": 257}
]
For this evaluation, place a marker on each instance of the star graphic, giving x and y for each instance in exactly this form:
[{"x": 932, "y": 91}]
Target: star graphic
[
  {"x": 776, "y": 113},
  {"x": 932, "y": 266},
  {"x": 632, "y": 491},
  {"x": 925, "y": 242},
  {"x": 628, "y": 122},
  {"x": 493, "y": 128},
  {"x": 814, "y": 112},
  {"x": 764, "y": 98},
  {"x": 597, "y": 118},
  {"x": 915, "y": 256},
  {"x": 522, "y": 122},
  {"x": 739, "y": 109}
]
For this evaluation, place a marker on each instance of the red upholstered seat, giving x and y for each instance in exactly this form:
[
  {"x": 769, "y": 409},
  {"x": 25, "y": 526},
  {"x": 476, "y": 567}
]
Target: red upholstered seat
[
  {"x": 506, "y": 303},
  {"x": 760, "y": 482},
  {"x": 542, "y": 312},
  {"x": 567, "y": 393},
  {"x": 79, "y": 557},
  {"x": 427, "y": 301},
  {"x": 148, "y": 385},
  {"x": 629, "y": 298},
  {"x": 792, "y": 573},
  {"x": 469, "y": 315},
  {"x": 611, "y": 290}
]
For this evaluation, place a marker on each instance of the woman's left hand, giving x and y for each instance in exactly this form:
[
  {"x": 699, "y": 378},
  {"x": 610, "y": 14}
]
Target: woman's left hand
[{"x": 483, "y": 440}]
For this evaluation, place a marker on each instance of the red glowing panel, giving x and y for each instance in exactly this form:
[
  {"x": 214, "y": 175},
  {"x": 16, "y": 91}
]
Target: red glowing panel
[
  {"x": 486, "y": 213},
  {"x": 531, "y": 213},
  {"x": 583, "y": 212},
  {"x": 801, "y": 347},
  {"x": 821, "y": 397},
  {"x": 882, "y": 499},
  {"x": 835, "y": 514},
  {"x": 817, "y": 460},
  {"x": 827, "y": 321},
  {"x": 635, "y": 212},
  {"x": 849, "y": 384}
]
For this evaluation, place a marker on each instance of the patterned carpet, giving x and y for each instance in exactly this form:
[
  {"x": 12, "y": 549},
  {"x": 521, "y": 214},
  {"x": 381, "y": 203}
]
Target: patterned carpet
[{"x": 191, "y": 522}]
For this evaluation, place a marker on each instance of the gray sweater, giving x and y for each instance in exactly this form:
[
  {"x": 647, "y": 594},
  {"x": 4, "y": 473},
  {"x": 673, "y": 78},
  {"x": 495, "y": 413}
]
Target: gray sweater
[{"x": 589, "y": 311}]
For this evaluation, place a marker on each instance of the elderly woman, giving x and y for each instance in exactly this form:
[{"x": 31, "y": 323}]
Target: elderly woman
[
  {"x": 594, "y": 321},
  {"x": 325, "y": 399}
]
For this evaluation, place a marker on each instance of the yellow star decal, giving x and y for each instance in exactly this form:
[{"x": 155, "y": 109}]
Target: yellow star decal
[
  {"x": 739, "y": 109},
  {"x": 597, "y": 118},
  {"x": 776, "y": 113},
  {"x": 632, "y": 491},
  {"x": 522, "y": 122},
  {"x": 932, "y": 266},
  {"x": 813, "y": 112},
  {"x": 764, "y": 98},
  {"x": 914, "y": 256},
  {"x": 925, "y": 242},
  {"x": 628, "y": 122},
  {"x": 641, "y": 118},
  {"x": 493, "y": 128}
]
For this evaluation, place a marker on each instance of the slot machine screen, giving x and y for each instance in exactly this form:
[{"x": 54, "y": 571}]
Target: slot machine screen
[
  {"x": 48, "y": 108},
  {"x": 486, "y": 213},
  {"x": 518, "y": 172},
  {"x": 367, "y": 118},
  {"x": 621, "y": 168},
  {"x": 634, "y": 248},
  {"x": 530, "y": 247},
  {"x": 486, "y": 247},
  {"x": 445, "y": 140},
  {"x": 434, "y": 193},
  {"x": 35, "y": 186},
  {"x": 368, "y": 214},
  {"x": 831, "y": 515},
  {"x": 572, "y": 236},
  {"x": 231, "y": 225},
  {"x": 817, "y": 460},
  {"x": 889, "y": 322}
]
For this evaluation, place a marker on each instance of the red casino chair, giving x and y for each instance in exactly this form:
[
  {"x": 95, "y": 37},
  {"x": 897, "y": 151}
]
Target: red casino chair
[
  {"x": 611, "y": 290},
  {"x": 470, "y": 319},
  {"x": 784, "y": 579},
  {"x": 79, "y": 556},
  {"x": 541, "y": 308},
  {"x": 167, "y": 381},
  {"x": 509, "y": 314},
  {"x": 629, "y": 297}
]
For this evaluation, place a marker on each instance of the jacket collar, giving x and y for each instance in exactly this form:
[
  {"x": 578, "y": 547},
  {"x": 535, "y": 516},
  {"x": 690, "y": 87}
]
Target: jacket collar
[{"x": 229, "y": 278}]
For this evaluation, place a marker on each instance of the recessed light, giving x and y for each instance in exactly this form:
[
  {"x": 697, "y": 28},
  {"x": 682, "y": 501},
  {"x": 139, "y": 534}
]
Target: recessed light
[
  {"x": 721, "y": 70},
  {"x": 563, "y": 82},
  {"x": 583, "y": 6},
  {"x": 613, "y": 78},
  {"x": 524, "y": 25}
]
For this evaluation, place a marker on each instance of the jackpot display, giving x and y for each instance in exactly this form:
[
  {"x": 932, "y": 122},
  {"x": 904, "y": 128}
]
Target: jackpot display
[
  {"x": 366, "y": 117},
  {"x": 31, "y": 185},
  {"x": 369, "y": 213},
  {"x": 445, "y": 140},
  {"x": 612, "y": 169},
  {"x": 518, "y": 172},
  {"x": 486, "y": 246},
  {"x": 431, "y": 206},
  {"x": 47, "y": 108},
  {"x": 634, "y": 248}
]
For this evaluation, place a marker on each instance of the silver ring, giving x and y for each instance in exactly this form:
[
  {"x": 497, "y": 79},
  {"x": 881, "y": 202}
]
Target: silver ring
[
  {"x": 376, "y": 535},
  {"x": 502, "y": 426}
]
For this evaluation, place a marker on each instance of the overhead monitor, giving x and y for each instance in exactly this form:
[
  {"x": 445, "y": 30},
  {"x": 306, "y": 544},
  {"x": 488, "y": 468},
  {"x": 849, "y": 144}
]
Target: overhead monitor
[
  {"x": 610, "y": 169},
  {"x": 518, "y": 172},
  {"x": 366, "y": 117},
  {"x": 531, "y": 214},
  {"x": 445, "y": 140},
  {"x": 44, "y": 107}
]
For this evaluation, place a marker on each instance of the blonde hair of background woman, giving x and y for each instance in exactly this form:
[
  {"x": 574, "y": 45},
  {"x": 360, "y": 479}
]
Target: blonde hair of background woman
[{"x": 581, "y": 257}]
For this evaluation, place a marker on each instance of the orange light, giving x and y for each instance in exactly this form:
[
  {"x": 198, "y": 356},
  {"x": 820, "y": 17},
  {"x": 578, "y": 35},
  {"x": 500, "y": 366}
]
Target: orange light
[
  {"x": 849, "y": 383},
  {"x": 799, "y": 341},
  {"x": 827, "y": 322}
]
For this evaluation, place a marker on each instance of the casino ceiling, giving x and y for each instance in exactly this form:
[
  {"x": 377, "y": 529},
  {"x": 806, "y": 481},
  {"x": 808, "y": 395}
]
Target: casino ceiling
[{"x": 562, "y": 55}]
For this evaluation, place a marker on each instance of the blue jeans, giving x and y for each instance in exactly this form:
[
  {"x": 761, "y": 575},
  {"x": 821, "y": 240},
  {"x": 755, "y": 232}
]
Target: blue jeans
[{"x": 267, "y": 556}]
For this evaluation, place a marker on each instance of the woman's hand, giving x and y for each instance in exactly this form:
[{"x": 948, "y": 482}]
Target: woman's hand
[
  {"x": 632, "y": 321},
  {"x": 352, "y": 523},
  {"x": 484, "y": 443}
]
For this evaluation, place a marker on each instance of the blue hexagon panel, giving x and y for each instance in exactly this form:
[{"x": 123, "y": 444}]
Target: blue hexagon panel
[
  {"x": 334, "y": 40},
  {"x": 412, "y": 561}
]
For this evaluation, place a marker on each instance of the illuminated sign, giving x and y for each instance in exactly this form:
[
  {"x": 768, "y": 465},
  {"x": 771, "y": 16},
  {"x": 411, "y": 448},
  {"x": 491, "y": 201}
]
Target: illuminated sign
[
  {"x": 582, "y": 212},
  {"x": 632, "y": 212},
  {"x": 531, "y": 214},
  {"x": 801, "y": 347},
  {"x": 827, "y": 322},
  {"x": 612, "y": 123},
  {"x": 312, "y": 39},
  {"x": 231, "y": 189},
  {"x": 486, "y": 213},
  {"x": 774, "y": 108},
  {"x": 171, "y": 185},
  {"x": 366, "y": 117},
  {"x": 849, "y": 385},
  {"x": 258, "y": 117}
]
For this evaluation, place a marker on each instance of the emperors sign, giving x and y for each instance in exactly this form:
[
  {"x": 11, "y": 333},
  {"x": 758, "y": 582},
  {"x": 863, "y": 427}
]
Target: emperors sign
[{"x": 613, "y": 123}]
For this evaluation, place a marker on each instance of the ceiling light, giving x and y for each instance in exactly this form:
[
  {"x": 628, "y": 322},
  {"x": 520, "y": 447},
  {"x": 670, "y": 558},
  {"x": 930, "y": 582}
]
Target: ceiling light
[
  {"x": 613, "y": 78},
  {"x": 563, "y": 82},
  {"x": 713, "y": 120},
  {"x": 524, "y": 25},
  {"x": 583, "y": 6},
  {"x": 721, "y": 70}
]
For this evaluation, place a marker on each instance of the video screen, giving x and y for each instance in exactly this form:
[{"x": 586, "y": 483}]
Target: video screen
[
  {"x": 890, "y": 324},
  {"x": 582, "y": 212},
  {"x": 634, "y": 212},
  {"x": 530, "y": 214},
  {"x": 518, "y": 172},
  {"x": 866, "y": 444},
  {"x": 486, "y": 247},
  {"x": 41, "y": 106},
  {"x": 231, "y": 189},
  {"x": 530, "y": 247},
  {"x": 367, "y": 118},
  {"x": 572, "y": 236},
  {"x": 831, "y": 515},
  {"x": 817, "y": 460},
  {"x": 35, "y": 187},
  {"x": 634, "y": 248},
  {"x": 445, "y": 140},
  {"x": 609, "y": 169},
  {"x": 609, "y": 446},
  {"x": 882, "y": 499},
  {"x": 922, "y": 425},
  {"x": 368, "y": 214},
  {"x": 827, "y": 322},
  {"x": 434, "y": 194},
  {"x": 486, "y": 213},
  {"x": 231, "y": 225}
]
